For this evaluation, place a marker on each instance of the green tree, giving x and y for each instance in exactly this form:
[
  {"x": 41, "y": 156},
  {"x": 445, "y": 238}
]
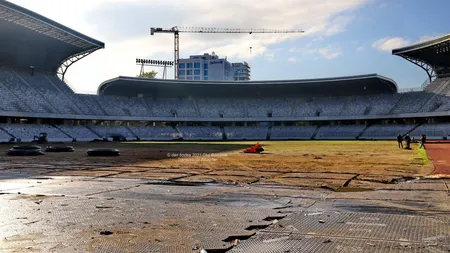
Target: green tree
[{"x": 151, "y": 74}]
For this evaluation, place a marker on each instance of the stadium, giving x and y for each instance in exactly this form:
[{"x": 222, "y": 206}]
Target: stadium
[{"x": 331, "y": 178}]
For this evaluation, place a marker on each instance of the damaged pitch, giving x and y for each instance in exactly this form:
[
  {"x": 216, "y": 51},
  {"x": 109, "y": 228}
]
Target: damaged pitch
[{"x": 76, "y": 214}]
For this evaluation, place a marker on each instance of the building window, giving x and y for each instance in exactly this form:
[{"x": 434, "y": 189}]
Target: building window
[
  {"x": 182, "y": 65},
  {"x": 196, "y": 65},
  {"x": 205, "y": 72},
  {"x": 205, "y": 78},
  {"x": 196, "y": 78},
  {"x": 189, "y": 65},
  {"x": 189, "y": 72},
  {"x": 196, "y": 71},
  {"x": 189, "y": 78},
  {"x": 182, "y": 72},
  {"x": 205, "y": 66}
]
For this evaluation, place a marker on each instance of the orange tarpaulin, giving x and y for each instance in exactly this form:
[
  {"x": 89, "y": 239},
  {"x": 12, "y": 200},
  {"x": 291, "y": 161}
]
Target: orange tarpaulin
[{"x": 257, "y": 148}]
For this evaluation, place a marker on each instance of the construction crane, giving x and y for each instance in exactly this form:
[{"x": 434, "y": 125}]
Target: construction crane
[{"x": 177, "y": 30}]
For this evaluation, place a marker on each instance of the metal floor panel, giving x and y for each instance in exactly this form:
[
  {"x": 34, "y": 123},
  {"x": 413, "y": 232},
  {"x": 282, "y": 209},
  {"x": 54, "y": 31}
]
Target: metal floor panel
[
  {"x": 391, "y": 227},
  {"x": 294, "y": 243}
]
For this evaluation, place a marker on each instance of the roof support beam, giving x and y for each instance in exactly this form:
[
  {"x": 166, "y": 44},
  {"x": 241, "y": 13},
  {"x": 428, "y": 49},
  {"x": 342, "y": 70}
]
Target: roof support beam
[
  {"x": 425, "y": 66},
  {"x": 71, "y": 60}
]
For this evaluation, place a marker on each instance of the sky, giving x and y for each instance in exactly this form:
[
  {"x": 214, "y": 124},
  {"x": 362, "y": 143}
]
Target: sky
[{"x": 341, "y": 38}]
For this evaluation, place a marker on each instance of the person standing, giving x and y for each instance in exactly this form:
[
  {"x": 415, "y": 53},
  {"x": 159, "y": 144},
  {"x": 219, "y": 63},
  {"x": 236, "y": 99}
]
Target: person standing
[
  {"x": 423, "y": 139},
  {"x": 400, "y": 141},
  {"x": 408, "y": 141}
]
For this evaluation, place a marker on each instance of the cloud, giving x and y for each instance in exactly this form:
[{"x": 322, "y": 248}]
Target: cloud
[
  {"x": 124, "y": 27},
  {"x": 328, "y": 53},
  {"x": 293, "y": 59},
  {"x": 387, "y": 44},
  {"x": 360, "y": 49}
]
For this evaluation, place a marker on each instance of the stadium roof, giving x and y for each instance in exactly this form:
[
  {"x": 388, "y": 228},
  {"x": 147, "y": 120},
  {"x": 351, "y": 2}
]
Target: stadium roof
[
  {"x": 29, "y": 39},
  {"x": 362, "y": 84},
  {"x": 433, "y": 56}
]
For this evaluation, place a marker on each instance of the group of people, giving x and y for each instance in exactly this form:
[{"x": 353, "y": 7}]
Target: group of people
[{"x": 407, "y": 139}]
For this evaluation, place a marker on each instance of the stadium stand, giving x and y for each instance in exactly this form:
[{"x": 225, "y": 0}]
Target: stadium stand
[
  {"x": 27, "y": 132},
  {"x": 264, "y": 107},
  {"x": 432, "y": 131},
  {"x": 292, "y": 132},
  {"x": 200, "y": 133},
  {"x": 246, "y": 133},
  {"x": 24, "y": 92},
  {"x": 159, "y": 133},
  {"x": 80, "y": 133},
  {"x": 32, "y": 87},
  {"x": 107, "y": 131},
  {"x": 171, "y": 107},
  {"x": 229, "y": 108},
  {"x": 339, "y": 132},
  {"x": 387, "y": 131}
]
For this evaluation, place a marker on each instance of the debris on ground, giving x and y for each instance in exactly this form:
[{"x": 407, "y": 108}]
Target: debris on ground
[
  {"x": 103, "y": 207},
  {"x": 106, "y": 232},
  {"x": 321, "y": 221},
  {"x": 327, "y": 241}
]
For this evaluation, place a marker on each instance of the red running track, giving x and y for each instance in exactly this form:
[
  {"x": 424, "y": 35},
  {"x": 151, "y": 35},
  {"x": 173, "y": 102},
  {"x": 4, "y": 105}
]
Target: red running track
[{"x": 439, "y": 155}]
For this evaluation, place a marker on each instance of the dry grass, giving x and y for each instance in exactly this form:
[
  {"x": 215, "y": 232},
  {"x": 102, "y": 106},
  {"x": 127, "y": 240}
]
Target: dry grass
[{"x": 299, "y": 163}]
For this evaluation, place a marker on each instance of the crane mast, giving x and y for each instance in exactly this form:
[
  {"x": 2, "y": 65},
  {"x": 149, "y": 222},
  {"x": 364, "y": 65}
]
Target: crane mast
[{"x": 176, "y": 33}]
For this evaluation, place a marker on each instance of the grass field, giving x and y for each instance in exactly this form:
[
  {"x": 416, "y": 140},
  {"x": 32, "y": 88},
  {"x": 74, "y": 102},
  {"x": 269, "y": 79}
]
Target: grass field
[{"x": 331, "y": 164}]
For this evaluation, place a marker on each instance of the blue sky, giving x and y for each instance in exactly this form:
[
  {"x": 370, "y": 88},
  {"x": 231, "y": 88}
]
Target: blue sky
[{"x": 342, "y": 37}]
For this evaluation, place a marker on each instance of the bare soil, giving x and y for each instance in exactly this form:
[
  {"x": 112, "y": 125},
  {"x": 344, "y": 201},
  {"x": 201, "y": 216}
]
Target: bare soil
[{"x": 296, "y": 163}]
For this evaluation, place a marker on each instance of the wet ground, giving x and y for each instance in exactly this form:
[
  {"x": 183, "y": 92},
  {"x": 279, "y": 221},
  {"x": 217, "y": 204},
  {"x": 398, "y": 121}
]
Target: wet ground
[
  {"x": 88, "y": 214},
  {"x": 143, "y": 202}
]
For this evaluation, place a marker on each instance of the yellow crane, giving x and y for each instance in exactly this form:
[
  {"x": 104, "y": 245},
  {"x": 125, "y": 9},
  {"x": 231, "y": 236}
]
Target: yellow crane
[{"x": 176, "y": 30}]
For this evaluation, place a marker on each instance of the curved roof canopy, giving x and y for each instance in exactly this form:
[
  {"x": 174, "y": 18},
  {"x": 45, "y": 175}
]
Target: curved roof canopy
[
  {"x": 29, "y": 39},
  {"x": 433, "y": 56},
  {"x": 363, "y": 84}
]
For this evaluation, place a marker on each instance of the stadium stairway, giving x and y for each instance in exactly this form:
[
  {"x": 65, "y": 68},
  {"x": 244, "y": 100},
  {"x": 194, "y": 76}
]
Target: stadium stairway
[
  {"x": 396, "y": 104},
  {"x": 49, "y": 106},
  {"x": 134, "y": 134},
  {"x": 313, "y": 137},
  {"x": 92, "y": 130},
  {"x": 70, "y": 95},
  {"x": 59, "y": 129},
  {"x": 177, "y": 131},
  {"x": 363, "y": 131},
  {"x": 414, "y": 128},
  {"x": 430, "y": 104},
  {"x": 147, "y": 107},
  {"x": 197, "y": 109},
  {"x": 17, "y": 98},
  {"x": 269, "y": 132},
  {"x": 294, "y": 105},
  {"x": 224, "y": 134},
  {"x": 245, "y": 109},
  {"x": 8, "y": 133}
]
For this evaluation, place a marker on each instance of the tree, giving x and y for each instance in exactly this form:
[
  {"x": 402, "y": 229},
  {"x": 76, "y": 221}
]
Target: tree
[{"x": 151, "y": 74}]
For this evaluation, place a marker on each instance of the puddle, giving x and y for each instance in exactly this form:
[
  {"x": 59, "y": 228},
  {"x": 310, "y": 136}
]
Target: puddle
[
  {"x": 350, "y": 189},
  {"x": 13, "y": 175},
  {"x": 179, "y": 183}
]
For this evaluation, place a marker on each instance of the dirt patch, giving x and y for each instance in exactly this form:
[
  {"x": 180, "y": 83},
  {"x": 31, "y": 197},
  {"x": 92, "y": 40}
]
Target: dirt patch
[{"x": 291, "y": 163}]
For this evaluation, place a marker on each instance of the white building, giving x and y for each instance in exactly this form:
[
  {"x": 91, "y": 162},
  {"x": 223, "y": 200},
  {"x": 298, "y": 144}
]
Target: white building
[
  {"x": 241, "y": 71},
  {"x": 207, "y": 67}
]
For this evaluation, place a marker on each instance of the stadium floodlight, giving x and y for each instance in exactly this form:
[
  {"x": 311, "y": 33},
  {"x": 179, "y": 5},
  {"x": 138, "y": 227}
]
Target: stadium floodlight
[{"x": 154, "y": 63}]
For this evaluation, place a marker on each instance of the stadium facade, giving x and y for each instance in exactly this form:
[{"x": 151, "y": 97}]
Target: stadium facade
[{"x": 37, "y": 52}]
